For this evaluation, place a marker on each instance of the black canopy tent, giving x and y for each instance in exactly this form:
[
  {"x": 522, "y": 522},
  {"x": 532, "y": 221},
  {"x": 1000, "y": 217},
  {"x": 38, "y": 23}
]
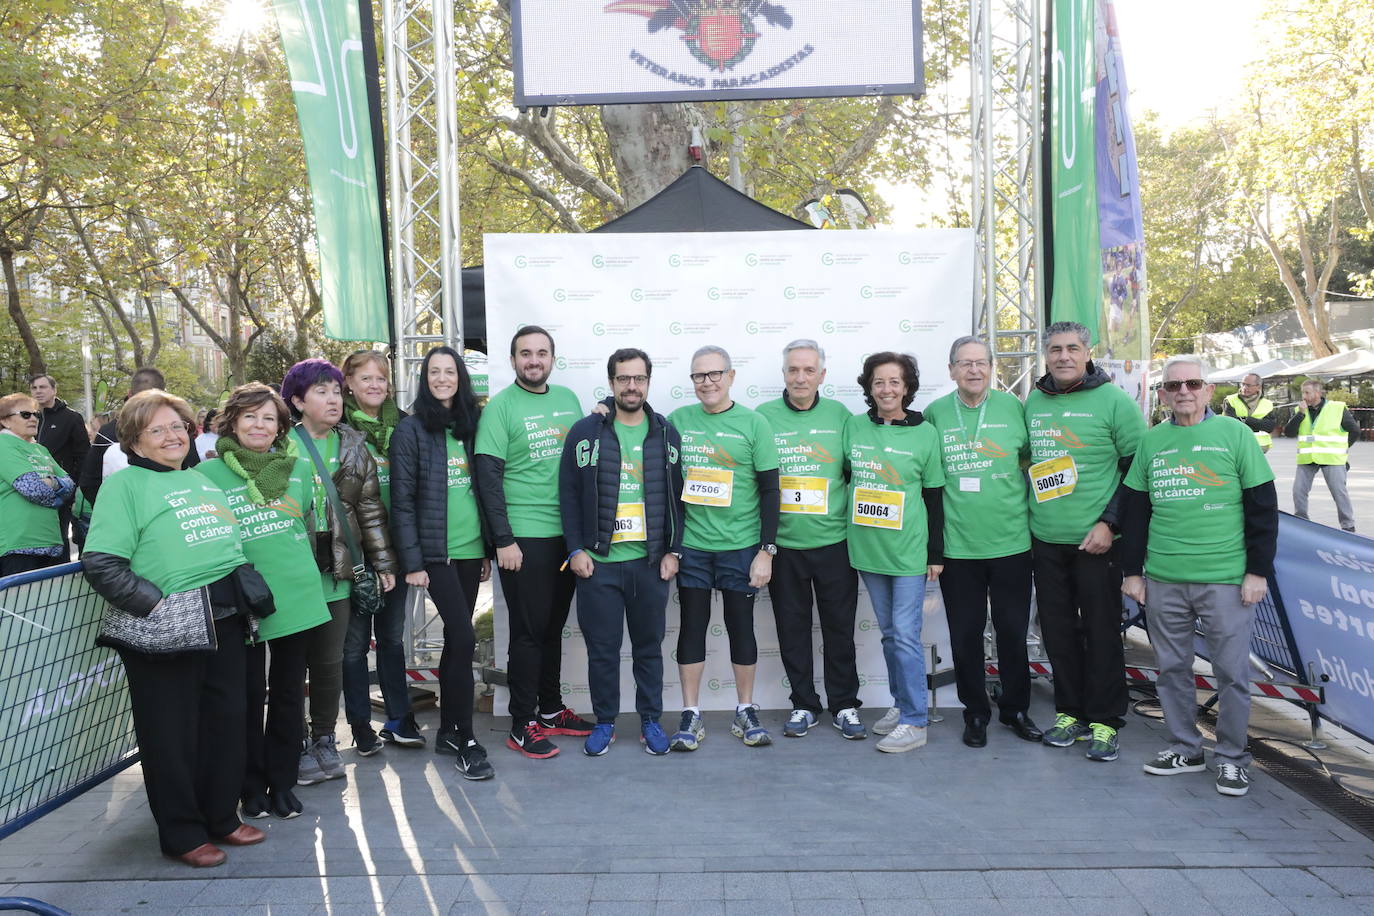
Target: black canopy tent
[{"x": 696, "y": 202}]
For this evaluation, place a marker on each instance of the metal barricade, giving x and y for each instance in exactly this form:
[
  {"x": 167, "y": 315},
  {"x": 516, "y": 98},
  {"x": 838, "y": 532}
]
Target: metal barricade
[{"x": 64, "y": 705}]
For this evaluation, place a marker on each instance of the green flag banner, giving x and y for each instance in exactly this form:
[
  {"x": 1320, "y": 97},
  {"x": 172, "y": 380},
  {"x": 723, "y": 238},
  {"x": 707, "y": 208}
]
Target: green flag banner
[
  {"x": 1077, "y": 291},
  {"x": 324, "y": 52}
]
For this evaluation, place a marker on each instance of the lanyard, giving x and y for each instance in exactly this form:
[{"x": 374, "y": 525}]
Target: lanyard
[{"x": 978, "y": 428}]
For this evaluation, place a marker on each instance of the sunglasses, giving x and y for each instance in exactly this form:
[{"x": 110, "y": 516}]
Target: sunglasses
[
  {"x": 1173, "y": 385},
  {"x": 26, "y": 414}
]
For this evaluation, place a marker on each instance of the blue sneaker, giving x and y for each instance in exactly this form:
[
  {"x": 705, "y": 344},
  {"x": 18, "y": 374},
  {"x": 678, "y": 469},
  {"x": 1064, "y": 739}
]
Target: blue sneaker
[
  {"x": 655, "y": 741},
  {"x": 600, "y": 740},
  {"x": 748, "y": 729},
  {"x": 847, "y": 721}
]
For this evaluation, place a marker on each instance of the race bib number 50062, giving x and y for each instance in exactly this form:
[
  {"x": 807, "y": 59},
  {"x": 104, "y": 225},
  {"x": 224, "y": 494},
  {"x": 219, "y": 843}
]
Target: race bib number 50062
[{"x": 1053, "y": 478}]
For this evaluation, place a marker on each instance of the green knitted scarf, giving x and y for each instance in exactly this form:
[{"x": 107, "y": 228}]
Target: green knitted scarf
[
  {"x": 379, "y": 430},
  {"x": 268, "y": 474}
]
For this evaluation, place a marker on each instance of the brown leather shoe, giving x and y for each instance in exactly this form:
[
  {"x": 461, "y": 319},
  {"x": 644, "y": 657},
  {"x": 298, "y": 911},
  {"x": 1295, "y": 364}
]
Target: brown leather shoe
[
  {"x": 245, "y": 835},
  {"x": 206, "y": 855}
]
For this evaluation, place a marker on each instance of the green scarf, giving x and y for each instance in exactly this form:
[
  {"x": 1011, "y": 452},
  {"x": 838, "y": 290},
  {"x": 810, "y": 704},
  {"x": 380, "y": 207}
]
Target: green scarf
[
  {"x": 268, "y": 474},
  {"x": 378, "y": 431}
]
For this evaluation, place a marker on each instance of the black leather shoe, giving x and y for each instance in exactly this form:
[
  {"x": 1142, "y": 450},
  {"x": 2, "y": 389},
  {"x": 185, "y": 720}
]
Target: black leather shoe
[
  {"x": 976, "y": 732},
  {"x": 1025, "y": 729}
]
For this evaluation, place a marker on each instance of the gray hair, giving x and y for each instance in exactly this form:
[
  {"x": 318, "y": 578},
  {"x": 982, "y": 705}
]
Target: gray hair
[
  {"x": 1315, "y": 383},
  {"x": 1069, "y": 327},
  {"x": 964, "y": 341},
  {"x": 1252, "y": 375},
  {"x": 1189, "y": 359},
  {"x": 708, "y": 350},
  {"x": 803, "y": 343}
]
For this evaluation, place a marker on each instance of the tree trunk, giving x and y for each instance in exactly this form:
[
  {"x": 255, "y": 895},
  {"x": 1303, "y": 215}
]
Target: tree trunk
[
  {"x": 37, "y": 366},
  {"x": 648, "y": 146}
]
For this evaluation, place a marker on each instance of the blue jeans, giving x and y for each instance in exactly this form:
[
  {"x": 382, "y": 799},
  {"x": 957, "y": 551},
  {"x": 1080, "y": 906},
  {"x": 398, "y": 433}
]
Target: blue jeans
[
  {"x": 898, "y": 602},
  {"x": 619, "y": 597},
  {"x": 388, "y": 628}
]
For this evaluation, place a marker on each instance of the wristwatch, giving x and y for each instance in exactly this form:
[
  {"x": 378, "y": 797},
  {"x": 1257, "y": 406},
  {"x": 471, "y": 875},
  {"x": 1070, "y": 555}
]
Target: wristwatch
[
  {"x": 677, "y": 554},
  {"x": 770, "y": 549}
]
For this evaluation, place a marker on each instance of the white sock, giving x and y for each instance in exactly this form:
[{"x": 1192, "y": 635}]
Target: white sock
[
  {"x": 742, "y": 707},
  {"x": 694, "y": 710}
]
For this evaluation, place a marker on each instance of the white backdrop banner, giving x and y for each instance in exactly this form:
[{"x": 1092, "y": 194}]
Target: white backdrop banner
[{"x": 856, "y": 292}]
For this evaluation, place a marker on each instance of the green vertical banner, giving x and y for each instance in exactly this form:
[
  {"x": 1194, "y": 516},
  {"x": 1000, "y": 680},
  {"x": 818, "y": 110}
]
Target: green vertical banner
[
  {"x": 1077, "y": 291},
  {"x": 324, "y": 53}
]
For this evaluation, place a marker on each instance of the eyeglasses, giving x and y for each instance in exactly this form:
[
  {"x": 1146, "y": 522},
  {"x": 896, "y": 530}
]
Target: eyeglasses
[
  {"x": 966, "y": 364},
  {"x": 1173, "y": 385},
  {"x": 26, "y": 414},
  {"x": 177, "y": 429},
  {"x": 700, "y": 377},
  {"x": 627, "y": 379}
]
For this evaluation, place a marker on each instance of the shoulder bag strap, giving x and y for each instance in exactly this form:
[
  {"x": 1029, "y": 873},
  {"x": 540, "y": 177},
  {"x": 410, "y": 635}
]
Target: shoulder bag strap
[{"x": 354, "y": 552}]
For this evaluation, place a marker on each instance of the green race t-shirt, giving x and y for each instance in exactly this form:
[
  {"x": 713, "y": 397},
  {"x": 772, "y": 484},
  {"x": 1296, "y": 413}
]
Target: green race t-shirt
[
  {"x": 890, "y": 466},
  {"x": 383, "y": 474},
  {"x": 1195, "y": 475},
  {"x": 25, "y": 524},
  {"x": 328, "y": 447},
  {"x": 985, "y": 489},
  {"x": 721, "y": 453},
  {"x": 628, "y": 538},
  {"x": 1088, "y": 432},
  {"x": 811, "y": 449},
  {"x": 174, "y": 527},
  {"x": 276, "y": 543},
  {"x": 464, "y": 528},
  {"x": 526, "y": 431}
]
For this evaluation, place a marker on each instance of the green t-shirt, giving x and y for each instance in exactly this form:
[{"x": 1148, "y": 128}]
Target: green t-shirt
[
  {"x": 328, "y": 447},
  {"x": 890, "y": 466},
  {"x": 383, "y": 474},
  {"x": 811, "y": 449},
  {"x": 628, "y": 539},
  {"x": 464, "y": 528},
  {"x": 721, "y": 453},
  {"x": 174, "y": 527},
  {"x": 526, "y": 431},
  {"x": 276, "y": 543},
  {"x": 25, "y": 524},
  {"x": 985, "y": 493},
  {"x": 1195, "y": 475},
  {"x": 1095, "y": 428}
]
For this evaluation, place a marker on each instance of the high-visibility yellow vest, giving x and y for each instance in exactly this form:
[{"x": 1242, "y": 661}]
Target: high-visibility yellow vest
[
  {"x": 1326, "y": 443},
  {"x": 1262, "y": 409}
]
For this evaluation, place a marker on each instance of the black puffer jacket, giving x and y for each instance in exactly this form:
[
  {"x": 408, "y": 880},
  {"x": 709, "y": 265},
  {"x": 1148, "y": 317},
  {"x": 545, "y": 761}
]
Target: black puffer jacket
[
  {"x": 419, "y": 495},
  {"x": 589, "y": 484}
]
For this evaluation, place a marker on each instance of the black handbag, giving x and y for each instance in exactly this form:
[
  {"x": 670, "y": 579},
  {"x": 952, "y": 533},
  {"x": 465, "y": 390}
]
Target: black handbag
[{"x": 367, "y": 585}]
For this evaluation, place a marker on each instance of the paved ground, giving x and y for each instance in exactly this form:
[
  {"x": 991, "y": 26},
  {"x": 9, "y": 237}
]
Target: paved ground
[{"x": 813, "y": 825}]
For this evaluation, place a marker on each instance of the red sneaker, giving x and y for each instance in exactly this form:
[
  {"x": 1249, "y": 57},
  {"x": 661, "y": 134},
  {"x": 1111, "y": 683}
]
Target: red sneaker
[
  {"x": 528, "y": 738},
  {"x": 565, "y": 722}
]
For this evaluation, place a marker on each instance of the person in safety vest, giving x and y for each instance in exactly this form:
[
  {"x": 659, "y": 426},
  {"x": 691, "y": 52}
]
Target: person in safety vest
[
  {"x": 1252, "y": 408},
  {"x": 1325, "y": 432}
]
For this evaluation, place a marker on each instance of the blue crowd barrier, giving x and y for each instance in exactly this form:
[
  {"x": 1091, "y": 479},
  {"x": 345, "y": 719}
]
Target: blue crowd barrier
[{"x": 64, "y": 705}]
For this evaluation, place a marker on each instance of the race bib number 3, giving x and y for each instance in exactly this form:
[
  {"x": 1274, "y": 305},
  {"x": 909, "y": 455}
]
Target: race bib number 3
[
  {"x": 629, "y": 523},
  {"x": 708, "y": 486},
  {"x": 805, "y": 495},
  {"x": 878, "y": 508},
  {"x": 1053, "y": 478}
]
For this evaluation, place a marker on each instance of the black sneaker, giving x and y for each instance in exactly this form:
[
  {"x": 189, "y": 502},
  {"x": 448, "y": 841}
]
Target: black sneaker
[
  {"x": 255, "y": 806},
  {"x": 285, "y": 805},
  {"x": 529, "y": 739},
  {"x": 566, "y": 722},
  {"x": 473, "y": 763},
  {"x": 365, "y": 741},
  {"x": 448, "y": 741},
  {"x": 404, "y": 731}
]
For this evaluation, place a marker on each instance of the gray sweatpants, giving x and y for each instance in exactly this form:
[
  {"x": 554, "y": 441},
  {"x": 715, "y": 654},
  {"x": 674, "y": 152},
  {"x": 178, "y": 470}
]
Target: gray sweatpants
[
  {"x": 1173, "y": 612},
  {"x": 1334, "y": 475}
]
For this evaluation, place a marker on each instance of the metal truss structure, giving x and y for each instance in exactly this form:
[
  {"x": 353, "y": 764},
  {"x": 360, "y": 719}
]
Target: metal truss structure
[
  {"x": 422, "y": 171},
  {"x": 1005, "y": 43}
]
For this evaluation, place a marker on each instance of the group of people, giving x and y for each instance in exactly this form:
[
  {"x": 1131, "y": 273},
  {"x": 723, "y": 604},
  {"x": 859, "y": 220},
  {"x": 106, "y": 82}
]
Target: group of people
[{"x": 325, "y": 502}]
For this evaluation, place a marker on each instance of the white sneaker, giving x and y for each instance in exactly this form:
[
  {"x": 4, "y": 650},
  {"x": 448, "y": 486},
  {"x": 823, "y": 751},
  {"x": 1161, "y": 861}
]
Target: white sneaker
[
  {"x": 888, "y": 722},
  {"x": 903, "y": 738}
]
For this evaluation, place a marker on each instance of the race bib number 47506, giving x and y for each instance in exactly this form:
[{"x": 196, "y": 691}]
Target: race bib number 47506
[
  {"x": 708, "y": 486},
  {"x": 1053, "y": 478},
  {"x": 878, "y": 508}
]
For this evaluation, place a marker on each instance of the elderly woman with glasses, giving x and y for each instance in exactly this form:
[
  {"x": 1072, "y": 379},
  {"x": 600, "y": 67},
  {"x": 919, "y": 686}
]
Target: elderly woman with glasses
[
  {"x": 32, "y": 488},
  {"x": 164, "y": 549}
]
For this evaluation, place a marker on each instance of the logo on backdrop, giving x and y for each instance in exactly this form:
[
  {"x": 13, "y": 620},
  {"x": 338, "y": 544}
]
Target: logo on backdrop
[{"x": 720, "y": 34}]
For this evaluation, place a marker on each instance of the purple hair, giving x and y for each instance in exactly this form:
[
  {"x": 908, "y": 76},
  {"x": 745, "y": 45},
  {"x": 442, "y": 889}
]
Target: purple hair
[{"x": 305, "y": 375}]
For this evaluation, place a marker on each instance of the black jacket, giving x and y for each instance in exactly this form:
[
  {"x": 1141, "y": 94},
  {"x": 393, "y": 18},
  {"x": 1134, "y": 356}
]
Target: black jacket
[
  {"x": 1095, "y": 378},
  {"x": 63, "y": 433},
  {"x": 419, "y": 494},
  {"x": 589, "y": 484}
]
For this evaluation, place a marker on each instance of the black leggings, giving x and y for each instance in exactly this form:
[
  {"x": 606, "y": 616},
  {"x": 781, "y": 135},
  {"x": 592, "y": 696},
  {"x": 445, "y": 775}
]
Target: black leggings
[
  {"x": 696, "y": 615},
  {"x": 453, "y": 589}
]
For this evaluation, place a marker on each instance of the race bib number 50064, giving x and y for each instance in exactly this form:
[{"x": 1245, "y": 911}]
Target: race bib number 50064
[{"x": 878, "y": 508}]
